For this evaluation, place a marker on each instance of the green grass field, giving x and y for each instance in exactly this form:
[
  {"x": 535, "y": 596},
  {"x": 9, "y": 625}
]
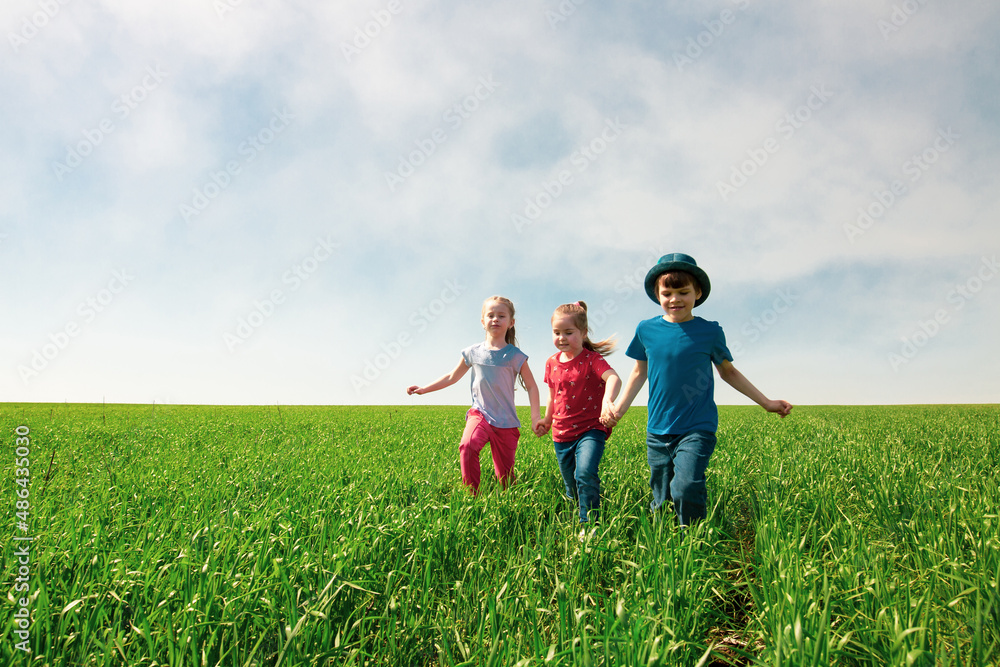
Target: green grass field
[{"x": 177, "y": 535}]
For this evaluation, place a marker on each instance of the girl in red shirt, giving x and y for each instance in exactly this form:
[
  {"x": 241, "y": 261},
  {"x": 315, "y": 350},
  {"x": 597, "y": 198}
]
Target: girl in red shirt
[{"x": 582, "y": 391}]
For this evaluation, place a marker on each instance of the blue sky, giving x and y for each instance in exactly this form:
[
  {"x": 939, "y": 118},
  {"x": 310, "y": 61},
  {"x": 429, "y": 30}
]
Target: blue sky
[{"x": 289, "y": 202}]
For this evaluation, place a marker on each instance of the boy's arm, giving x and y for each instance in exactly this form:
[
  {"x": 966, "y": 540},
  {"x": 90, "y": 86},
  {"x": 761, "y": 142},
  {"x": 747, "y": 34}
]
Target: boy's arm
[
  {"x": 738, "y": 381},
  {"x": 442, "y": 382},
  {"x": 636, "y": 379},
  {"x": 533, "y": 400}
]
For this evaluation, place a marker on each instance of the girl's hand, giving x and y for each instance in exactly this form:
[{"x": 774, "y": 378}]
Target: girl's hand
[
  {"x": 410, "y": 391},
  {"x": 609, "y": 414},
  {"x": 781, "y": 408},
  {"x": 541, "y": 427}
]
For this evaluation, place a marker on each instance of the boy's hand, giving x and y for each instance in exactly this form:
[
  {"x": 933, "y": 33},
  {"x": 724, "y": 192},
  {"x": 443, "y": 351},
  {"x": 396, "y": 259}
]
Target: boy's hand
[
  {"x": 781, "y": 408},
  {"x": 410, "y": 391}
]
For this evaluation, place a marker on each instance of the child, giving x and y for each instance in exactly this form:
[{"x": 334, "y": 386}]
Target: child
[
  {"x": 582, "y": 386},
  {"x": 676, "y": 351},
  {"x": 493, "y": 418}
]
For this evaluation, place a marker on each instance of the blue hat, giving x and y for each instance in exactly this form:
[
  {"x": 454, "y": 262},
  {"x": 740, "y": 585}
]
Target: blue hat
[{"x": 678, "y": 261}]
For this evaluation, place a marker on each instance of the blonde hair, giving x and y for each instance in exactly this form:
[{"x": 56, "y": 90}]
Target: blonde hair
[
  {"x": 578, "y": 311},
  {"x": 511, "y": 337}
]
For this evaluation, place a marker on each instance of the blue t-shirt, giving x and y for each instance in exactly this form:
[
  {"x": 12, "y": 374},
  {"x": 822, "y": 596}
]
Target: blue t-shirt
[
  {"x": 679, "y": 359},
  {"x": 493, "y": 376}
]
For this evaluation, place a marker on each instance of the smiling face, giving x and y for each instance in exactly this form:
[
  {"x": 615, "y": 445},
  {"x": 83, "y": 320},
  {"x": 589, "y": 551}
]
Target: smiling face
[
  {"x": 677, "y": 296},
  {"x": 566, "y": 335}
]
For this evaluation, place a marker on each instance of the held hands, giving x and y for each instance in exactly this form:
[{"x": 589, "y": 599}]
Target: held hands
[
  {"x": 781, "y": 408},
  {"x": 609, "y": 414},
  {"x": 541, "y": 426}
]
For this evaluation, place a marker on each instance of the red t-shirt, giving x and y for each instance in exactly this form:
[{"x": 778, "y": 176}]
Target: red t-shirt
[{"x": 578, "y": 392}]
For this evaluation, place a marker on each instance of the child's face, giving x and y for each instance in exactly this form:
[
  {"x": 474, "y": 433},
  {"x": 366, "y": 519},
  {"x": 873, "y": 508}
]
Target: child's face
[
  {"x": 497, "y": 319},
  {"x": 567, "y": 338},
  {"x": 678, "y": 302}
]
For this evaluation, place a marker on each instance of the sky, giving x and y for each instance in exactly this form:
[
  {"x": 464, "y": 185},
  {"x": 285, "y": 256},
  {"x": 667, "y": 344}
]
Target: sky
[{"x": 262, "y": 202}]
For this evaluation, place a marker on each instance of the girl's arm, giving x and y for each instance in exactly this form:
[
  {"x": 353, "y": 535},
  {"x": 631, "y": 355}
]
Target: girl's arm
[
  {"x": 533, "y": 400},
  {"x": 636, "y": 379},
  {"x": 442, "y": 382},
  {"x": 612, "y": 385},
  {"x": 546, "y": 422},
  {"x": 738, "y": 381}
]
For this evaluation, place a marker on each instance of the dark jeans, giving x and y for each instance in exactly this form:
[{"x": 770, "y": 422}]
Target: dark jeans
[
  {"x": 677, "y": 472},
  {"x": 578, "y": 461}
]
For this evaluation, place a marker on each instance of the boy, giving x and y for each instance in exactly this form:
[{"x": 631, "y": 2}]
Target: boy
[{"x": 676, "y": 352}]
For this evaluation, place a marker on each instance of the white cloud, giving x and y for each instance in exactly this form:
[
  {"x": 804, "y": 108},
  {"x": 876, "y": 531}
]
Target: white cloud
[{"x": 530, "y": 97}]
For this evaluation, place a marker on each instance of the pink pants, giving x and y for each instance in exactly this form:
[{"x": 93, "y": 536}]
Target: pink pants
[{"x": 503, "y": 445}]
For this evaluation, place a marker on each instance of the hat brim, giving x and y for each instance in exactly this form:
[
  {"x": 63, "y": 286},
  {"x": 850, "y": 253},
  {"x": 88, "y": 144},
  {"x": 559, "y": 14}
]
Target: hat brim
[{"x": 659, "y": 269}]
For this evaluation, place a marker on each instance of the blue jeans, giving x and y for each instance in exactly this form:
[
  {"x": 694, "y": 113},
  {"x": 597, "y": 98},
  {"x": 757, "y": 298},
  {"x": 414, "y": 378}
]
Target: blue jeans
[
  {"x": 578, "y": 461},
  {"x": 677, "y": 472}
]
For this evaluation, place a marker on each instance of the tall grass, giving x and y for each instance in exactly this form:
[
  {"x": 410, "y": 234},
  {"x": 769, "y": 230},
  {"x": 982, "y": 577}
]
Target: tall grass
[{"x": 343, "y": 536}]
